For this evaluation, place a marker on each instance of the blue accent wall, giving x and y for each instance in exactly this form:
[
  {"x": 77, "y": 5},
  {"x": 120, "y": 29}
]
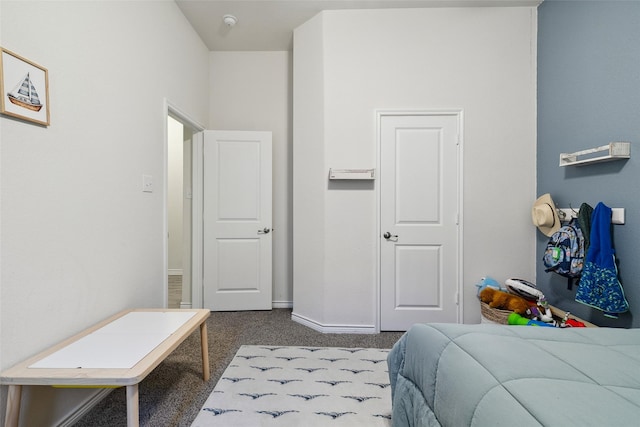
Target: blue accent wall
[{"x": 589, "y": 95}]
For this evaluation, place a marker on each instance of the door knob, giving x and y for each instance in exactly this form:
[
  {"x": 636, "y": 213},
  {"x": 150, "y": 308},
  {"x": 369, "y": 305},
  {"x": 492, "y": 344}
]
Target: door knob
[
  {"x": 264, "y": 231},
  {"x": 388, "y": 235}
]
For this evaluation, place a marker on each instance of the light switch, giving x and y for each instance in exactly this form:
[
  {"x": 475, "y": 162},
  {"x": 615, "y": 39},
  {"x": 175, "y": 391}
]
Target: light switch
[{"x": 147, "y": 183}]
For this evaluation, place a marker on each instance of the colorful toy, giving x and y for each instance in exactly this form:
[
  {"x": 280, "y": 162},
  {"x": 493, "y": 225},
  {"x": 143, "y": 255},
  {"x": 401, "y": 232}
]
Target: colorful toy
[
  {"x": 488, "y": 282},
  {"x": 515, "y": 319},
  {"x": 573, "y": 323},
  {"x": 504, "y": 300},
  {"x": 543, "y": 311},
  {"x": 525, "y": 289}
]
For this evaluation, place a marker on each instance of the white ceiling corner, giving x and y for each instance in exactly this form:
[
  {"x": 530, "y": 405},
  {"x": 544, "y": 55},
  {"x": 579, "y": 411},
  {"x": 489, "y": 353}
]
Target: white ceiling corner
[{"x": 267, "y": 25}]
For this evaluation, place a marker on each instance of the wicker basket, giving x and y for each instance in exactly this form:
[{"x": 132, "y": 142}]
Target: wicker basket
[{"x": 494, "y": 315}]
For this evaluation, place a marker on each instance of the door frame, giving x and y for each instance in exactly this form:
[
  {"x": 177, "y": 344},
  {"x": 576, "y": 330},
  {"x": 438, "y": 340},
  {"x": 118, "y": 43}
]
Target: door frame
[
  {"x": 459, "y": 114},
  {"x": 197, "y": 219},
  {"x": 169, "y": 109}
]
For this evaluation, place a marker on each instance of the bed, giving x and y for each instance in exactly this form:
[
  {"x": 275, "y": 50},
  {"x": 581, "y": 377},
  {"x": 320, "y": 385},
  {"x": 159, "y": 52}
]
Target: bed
[{"x": 492, "y": 375}]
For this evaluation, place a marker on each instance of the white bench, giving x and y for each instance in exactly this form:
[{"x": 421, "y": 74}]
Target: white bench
[{"x": 118, "y": 352}]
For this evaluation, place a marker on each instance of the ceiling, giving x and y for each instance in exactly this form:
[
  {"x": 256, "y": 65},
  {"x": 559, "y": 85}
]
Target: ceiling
[{"x": 265, "y": 25}]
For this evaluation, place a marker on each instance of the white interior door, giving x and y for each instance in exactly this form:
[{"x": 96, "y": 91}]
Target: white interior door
[
  {"x": 418, "y": 219},
  {"x": 237, "y": 220}
]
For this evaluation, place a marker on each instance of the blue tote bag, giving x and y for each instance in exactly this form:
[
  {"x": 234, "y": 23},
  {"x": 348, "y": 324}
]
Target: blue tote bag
[{"x": 599, "y": 286}]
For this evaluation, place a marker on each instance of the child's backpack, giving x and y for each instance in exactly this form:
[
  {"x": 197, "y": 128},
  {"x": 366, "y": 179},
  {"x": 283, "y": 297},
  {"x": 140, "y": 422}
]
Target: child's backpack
[{"x": 564, "y": 253}]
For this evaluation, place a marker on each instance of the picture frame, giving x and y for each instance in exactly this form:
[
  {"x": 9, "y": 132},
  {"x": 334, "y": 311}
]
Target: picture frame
[{"x": 24, "y": 87}]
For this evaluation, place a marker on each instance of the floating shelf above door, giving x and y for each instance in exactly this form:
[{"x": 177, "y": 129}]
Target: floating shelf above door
[{"x": 604, "y": 153}]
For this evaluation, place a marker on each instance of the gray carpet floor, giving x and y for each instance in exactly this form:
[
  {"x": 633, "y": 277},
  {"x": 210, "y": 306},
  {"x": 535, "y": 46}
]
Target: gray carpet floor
[{"x": 173, "y": 394}]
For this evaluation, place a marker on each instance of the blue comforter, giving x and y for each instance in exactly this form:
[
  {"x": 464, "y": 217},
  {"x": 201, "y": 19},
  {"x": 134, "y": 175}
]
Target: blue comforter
[{"x": 493, "y": 375}]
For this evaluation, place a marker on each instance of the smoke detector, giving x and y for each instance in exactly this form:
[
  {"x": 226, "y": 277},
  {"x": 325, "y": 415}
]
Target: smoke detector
[{"x": 230, "y": 20}]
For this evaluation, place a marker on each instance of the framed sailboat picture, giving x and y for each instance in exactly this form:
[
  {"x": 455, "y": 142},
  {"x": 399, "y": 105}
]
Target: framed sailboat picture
[{"x": 24, "y": 87}]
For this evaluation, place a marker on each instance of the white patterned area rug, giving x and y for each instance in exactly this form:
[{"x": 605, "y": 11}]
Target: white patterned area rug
[{"x": 301, "y": 386}]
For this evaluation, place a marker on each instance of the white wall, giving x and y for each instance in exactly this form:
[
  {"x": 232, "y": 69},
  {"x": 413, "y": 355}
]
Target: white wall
[
  {"x": 175, "y": 199},
  {"x": 252, "y": 91},
  {"x": 309, "y": 185},
  {"x": 482, "y": 60},
  {"x": 80, "y": 240}
]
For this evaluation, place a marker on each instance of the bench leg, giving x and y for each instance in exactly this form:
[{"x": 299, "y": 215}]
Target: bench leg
[
  {"x": 133, "y": 418},
  {"x": 13, "y": 406},
  {"x": 204, "y": 342}
]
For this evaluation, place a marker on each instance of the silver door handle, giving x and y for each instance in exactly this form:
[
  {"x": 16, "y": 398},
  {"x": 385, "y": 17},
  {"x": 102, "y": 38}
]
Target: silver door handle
[
  {"x": 390, "y": 236},
  {"x": 264, "y": 231}
]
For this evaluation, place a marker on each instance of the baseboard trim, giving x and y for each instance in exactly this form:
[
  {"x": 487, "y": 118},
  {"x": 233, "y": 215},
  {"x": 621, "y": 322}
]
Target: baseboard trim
[
  {"x": 274, "y": 304},
  {"x": 84, "y": 408},
  {"x": 333, "y": 329},
  {"x": 282, "y": 304},
  {"x": 175, "y": 272}
]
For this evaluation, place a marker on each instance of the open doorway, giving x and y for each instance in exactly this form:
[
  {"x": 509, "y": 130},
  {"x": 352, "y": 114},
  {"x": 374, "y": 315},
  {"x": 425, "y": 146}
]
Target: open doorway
[{"x": 178, "y": 208}]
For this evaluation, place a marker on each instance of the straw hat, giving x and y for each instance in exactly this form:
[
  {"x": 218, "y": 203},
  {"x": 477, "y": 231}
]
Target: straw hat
[{"x": 545, "y": 216}]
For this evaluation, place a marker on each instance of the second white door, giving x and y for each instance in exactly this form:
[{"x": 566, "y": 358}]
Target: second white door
[
  {"x": 237, "y": 221},
  {"x": 419, "y": 219}
]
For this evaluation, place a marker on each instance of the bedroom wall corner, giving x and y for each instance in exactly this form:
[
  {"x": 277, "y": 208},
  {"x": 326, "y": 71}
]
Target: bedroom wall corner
[
  {"x": 587, "y": 97},
  {"x": 253, "y": 91},
  {"x": 80, "y": 240},
  {"x": 383, "y": 59},
  {"x": 309, "y": 172}
]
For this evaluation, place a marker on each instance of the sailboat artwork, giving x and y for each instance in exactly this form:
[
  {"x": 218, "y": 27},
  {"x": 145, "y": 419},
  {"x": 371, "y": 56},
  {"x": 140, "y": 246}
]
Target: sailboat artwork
[
  {"x": 25, "y": 95},
  {"x": 29, "y": 98}
]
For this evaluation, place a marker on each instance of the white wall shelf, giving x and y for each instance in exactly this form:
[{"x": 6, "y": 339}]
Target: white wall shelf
[
  {"x": 352, "y": 173},
  {"x": 604, "y": 153},
  {"x": 566, "y": 214}
]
